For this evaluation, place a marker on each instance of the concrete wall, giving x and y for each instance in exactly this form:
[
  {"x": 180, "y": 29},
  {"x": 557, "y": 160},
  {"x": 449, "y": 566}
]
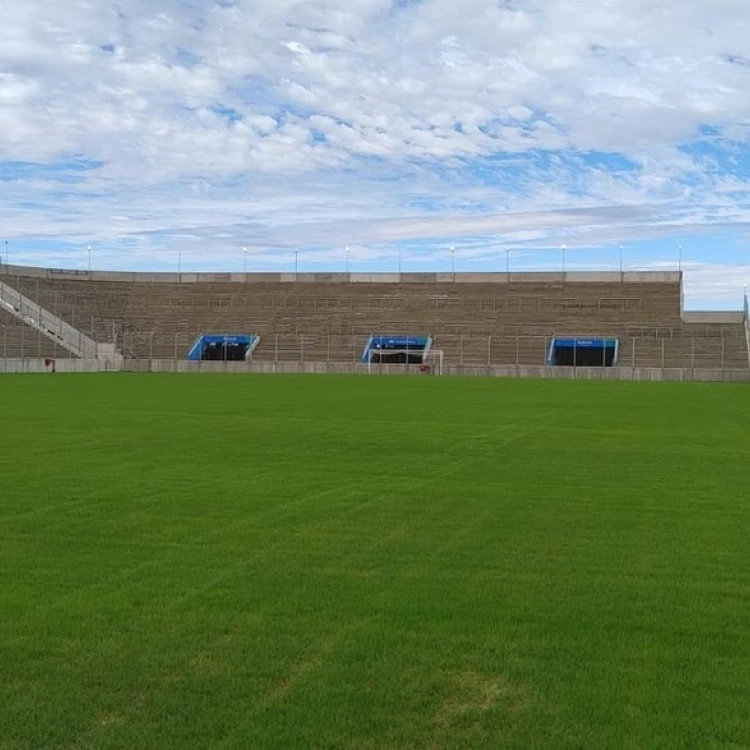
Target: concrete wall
[
  {"x": 558, "y": 373},
  {"x": 714, "y": 317},
  {"x": 34, "y": 365},
  {"x": 646, "y": 277}
]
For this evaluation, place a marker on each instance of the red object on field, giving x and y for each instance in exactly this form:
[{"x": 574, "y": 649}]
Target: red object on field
[
  {"x": 424, "y": 368},
  {"x": 48, "y": 362}
]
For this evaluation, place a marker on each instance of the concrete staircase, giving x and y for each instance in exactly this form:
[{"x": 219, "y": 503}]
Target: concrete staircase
[{"x": 54, "y": 328}]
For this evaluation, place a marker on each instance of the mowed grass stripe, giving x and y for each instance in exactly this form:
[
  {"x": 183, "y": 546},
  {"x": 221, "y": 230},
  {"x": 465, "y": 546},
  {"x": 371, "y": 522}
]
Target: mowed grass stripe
[
  {"x": 277, "y": 512},
  {"x": 372, "y": 563}
]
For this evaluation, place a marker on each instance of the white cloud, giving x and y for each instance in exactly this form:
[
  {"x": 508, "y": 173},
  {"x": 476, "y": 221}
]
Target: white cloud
[{"x": 304, "y": 122}]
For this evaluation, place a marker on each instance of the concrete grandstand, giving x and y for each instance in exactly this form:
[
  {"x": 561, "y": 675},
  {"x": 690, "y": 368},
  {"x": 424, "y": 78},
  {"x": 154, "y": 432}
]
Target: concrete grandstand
[{"x": 479, "y": 322}]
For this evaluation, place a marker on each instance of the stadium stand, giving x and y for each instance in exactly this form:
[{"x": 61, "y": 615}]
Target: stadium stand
[{"x": 474, "y": 319}]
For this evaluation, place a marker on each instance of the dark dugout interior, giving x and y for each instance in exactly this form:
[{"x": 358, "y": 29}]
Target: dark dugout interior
[
  {"x": 397, "y": 356},
  {"x": 224, "y": 352},
  {"x": 590, "y": 356}
]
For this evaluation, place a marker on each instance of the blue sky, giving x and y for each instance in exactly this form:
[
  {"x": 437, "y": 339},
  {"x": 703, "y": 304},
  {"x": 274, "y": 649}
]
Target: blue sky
[{"x": 152, "y": 129}]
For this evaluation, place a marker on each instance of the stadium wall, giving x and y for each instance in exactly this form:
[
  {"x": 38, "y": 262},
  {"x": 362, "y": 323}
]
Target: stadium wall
[{"x": 11, "y": 366}]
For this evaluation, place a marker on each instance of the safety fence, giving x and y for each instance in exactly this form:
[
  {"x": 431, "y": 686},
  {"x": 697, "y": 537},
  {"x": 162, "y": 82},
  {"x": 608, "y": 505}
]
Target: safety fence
[{"x": 661, "y": 349}]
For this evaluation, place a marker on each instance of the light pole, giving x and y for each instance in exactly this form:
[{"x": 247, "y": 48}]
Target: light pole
[
  {"x": 6, "y": 252},
  {"x": 89, "y": 249},
  {"x": 179, "y": 262},
  {"x": 507, "y": 260},
  {"x": 244, "y": 257},
  {"x": 564, "y": 249},
  {"x": 679, "y": 248},
  {"x": 621, "y": 266},
  {"x": 453, "y": 262},
  {"x": 399, "y": 261},
  {"x": 347, "y": 259},
  {"x": 296, "y": 260}
]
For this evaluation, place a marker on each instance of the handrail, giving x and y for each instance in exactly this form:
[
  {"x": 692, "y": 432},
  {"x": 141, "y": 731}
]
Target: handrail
[{"x": 50, "y": 325}]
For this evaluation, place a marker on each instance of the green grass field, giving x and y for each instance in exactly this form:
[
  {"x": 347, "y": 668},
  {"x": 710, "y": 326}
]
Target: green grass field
[{"x": 362, "y": 562}]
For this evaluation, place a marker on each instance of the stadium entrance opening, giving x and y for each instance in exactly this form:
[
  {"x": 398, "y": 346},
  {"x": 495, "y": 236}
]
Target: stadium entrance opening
[
  {"x": 590, "y": 352},
  {"x": 223, "y": 348},
  {"x": 397, "y": 350}
]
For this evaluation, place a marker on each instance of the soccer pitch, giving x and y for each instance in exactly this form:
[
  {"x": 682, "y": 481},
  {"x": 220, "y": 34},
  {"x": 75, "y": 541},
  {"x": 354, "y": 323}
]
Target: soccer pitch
[{"x": 197, "y": 561}]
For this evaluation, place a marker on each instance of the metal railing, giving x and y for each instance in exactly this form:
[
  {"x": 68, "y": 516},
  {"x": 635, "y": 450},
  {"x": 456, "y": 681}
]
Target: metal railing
[
  {"x": 54, "y": 328},
  {"x": 726, "y": 352},
  {"x": 27, "y": 338}
]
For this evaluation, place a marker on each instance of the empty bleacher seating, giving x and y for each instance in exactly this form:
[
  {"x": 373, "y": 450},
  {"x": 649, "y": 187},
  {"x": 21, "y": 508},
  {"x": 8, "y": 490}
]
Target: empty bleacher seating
[{"x": 319, "y": 319}]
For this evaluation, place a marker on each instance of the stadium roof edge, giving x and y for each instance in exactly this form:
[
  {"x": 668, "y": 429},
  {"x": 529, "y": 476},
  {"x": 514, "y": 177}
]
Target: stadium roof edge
[{"x": 573, "y": 277}]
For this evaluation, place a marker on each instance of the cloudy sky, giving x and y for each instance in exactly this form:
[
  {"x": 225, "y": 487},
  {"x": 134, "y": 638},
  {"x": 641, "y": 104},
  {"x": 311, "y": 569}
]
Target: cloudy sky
[{"x": 153, "y": 129}]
